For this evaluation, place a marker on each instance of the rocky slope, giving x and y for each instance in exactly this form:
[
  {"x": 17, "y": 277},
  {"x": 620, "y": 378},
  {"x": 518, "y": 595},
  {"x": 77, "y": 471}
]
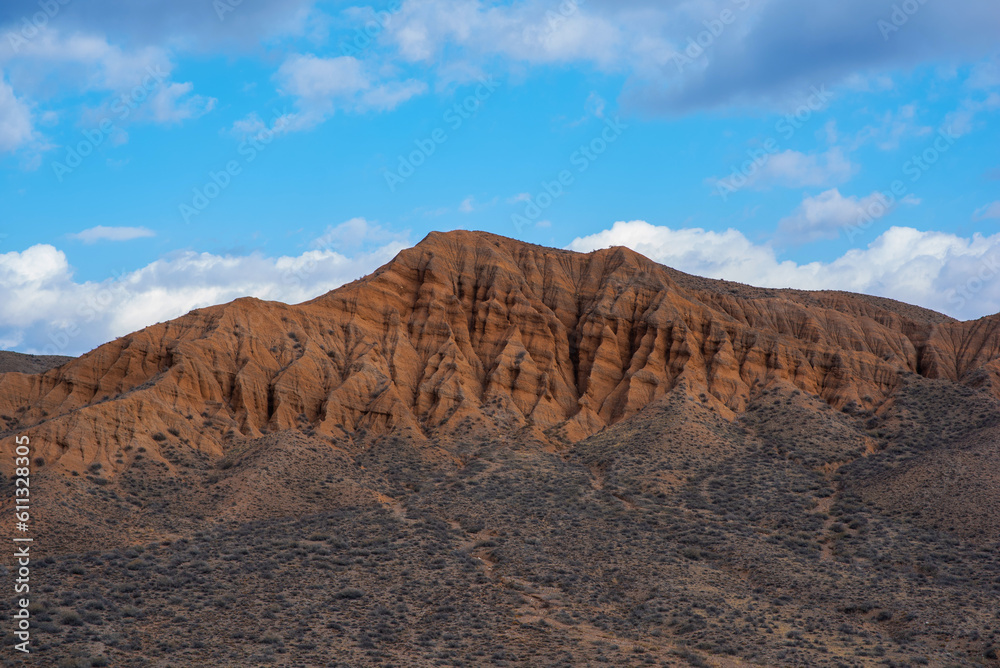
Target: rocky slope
[
  {"x": 470, "y": 331},
  {"x": 21, "y": 363},
  {"x": 493, "y": 453}
]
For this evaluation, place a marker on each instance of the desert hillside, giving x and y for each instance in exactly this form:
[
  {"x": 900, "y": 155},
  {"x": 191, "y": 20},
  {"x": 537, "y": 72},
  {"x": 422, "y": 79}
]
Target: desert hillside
[
  {"x": 470, "y": 331},
  {"x": 494, "y": 453}
]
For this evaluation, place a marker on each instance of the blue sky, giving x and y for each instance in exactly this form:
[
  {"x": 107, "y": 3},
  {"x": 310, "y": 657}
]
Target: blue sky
[{"x": 163, "y": 158}]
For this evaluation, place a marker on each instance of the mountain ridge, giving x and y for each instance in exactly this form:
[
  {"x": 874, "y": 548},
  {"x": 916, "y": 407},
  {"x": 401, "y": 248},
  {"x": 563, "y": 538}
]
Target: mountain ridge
[
  {"x": 475, "y": 329},
  {"x": 492, "y": 452}
]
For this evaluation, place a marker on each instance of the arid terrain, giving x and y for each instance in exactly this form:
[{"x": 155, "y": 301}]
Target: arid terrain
[{"x": 494, "y": 453}]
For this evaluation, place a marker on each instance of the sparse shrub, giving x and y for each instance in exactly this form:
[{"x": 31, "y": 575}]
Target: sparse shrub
[
  {"x": 71, "y": 619},
  {"x": 351, "y": 593}
]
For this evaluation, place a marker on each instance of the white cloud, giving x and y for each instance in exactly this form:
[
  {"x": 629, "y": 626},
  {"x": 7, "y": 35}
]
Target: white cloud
[
  {"x": 787, "y": 169},
  {"x": 173, "y": 102},
  {"x": 321, "y": 86},
  {"x": 761, "y": 54},
  {"x": 37, "y": 265},
  {"x": 470, "y": 204},
  {"x": 311, "y": 77},
  {"x": 135, "y": 82},
  {"x": 826, "y": 215},
  {"x": 357, "y": 233},
  {"x": 391, "y": 94},
  {"x": 989, "y": 211},
  {"x": 102, "y": 233},
  {"x": 45, "y": 311},
  {"x": 53, "y": 62},
  {"x": 16, "y": 128},
  {"x": 253, "y": 126},
  {"x": 956, "y": 275},
  {"x": 793, "y": 169},
  {"x": 533, "y": 32}
]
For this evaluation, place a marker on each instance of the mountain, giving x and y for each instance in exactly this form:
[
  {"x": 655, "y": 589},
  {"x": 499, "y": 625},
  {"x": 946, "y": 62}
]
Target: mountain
[
  {"x": 489, "y": 451},
  {"x": 21, "y": 363},
  {"x": 469, "y": 330}
]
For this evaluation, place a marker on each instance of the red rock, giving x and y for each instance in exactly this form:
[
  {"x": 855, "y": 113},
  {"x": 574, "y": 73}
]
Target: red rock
[{"x": 471, "y": 330}]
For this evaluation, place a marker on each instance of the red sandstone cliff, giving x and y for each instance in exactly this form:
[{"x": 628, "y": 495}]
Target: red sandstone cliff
[{"x": 473, "y": 331}]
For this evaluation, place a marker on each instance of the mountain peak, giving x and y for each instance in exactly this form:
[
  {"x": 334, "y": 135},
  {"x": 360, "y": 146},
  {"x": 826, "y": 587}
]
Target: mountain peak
[{"x": 474, "y": 331}]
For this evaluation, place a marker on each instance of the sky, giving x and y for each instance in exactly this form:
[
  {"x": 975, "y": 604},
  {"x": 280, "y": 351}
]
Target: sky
[{"x": 169, "y": 155}]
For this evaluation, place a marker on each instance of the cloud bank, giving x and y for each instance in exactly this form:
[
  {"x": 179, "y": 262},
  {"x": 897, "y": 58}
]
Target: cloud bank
[
  {"x": 959, "y": 276},
  {"x": 105, "y": 233},
  {"x": 45, "y": 311}
]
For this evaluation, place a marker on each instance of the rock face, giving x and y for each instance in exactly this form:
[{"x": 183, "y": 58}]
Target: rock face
[{"x": 470, "y": 331}]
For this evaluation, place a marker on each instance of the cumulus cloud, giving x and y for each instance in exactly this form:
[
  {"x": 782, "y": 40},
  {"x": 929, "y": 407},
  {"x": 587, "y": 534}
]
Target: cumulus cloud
[
  {"x": 795, "y": 169},
  {"x": 174, "y": 102},
  {"x": 765, "y": 52},
  {"x": 321, "y": 86},
  {"x": 826, "y": 215},
  {"x": 45, "y": 310},
  {"x": 103, "y": 233},
  {"x": 788, "y": 169},
  {"x": 532, "y": 31},
  {"x": 956, "y": 275},
  {"x": 358, "y": 233},
  {"x": 16, "y": 128},
  {"x": 770, "y": 52},
  {"x": 131, "y": 84},
  {"x": 252, "y": 126},
  {"x": 310, "y": 77},
  {"x": 53, "y": 62},
  {"x": 681, "y": 56},
  {"x": 775, "y": 48},
  {"x": 390, "y": 94}
]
